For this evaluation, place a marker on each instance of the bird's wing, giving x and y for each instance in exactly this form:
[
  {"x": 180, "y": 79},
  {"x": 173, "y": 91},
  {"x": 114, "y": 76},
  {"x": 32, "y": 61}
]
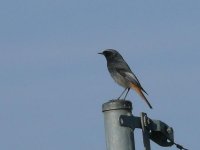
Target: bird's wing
[{"x": 131, "y": 77}]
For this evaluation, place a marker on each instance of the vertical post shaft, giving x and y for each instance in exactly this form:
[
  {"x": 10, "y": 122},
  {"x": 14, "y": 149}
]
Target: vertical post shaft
[{"x": 117, "y": 137}]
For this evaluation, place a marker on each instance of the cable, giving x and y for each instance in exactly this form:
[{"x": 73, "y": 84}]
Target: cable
[{"x": 179, "y": 146}]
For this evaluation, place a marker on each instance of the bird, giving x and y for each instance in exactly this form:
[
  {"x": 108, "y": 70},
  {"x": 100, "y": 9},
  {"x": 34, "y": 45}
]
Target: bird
[{"x": 122, "y": 74}]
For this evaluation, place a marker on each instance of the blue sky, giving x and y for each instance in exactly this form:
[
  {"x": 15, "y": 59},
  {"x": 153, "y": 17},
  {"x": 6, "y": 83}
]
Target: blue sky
[{"x": 53, "y": 83}]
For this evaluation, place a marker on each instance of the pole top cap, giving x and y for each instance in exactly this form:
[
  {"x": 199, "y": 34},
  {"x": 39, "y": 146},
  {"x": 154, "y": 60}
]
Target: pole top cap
[{"x": 117, "y": 104}]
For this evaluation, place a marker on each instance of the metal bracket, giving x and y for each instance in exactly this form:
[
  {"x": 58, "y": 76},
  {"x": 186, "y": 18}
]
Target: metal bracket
[
  {"x": 130, "y": 121},
  {"x": 157, "y": 131}
]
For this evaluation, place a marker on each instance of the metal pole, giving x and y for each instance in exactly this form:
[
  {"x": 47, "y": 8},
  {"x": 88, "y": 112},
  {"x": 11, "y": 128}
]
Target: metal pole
[{"x": 117, "y": 136}]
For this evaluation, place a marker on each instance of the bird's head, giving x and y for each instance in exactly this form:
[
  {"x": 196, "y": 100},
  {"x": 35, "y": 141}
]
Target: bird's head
[{"x": 110, "y": 53}]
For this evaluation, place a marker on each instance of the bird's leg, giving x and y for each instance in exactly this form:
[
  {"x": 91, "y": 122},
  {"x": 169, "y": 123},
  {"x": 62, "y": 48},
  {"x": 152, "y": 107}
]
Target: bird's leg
[
  {"x": 122, "y": 94},
  {"x": 126, "y": 93}
]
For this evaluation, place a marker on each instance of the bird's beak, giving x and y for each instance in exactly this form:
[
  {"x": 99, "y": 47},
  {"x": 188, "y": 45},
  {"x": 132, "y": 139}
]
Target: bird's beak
[{"x": 100, "y": 53}]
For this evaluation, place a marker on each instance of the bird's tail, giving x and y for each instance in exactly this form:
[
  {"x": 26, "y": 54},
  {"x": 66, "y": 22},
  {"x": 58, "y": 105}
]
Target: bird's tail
[{"x": 139, "y": 91}]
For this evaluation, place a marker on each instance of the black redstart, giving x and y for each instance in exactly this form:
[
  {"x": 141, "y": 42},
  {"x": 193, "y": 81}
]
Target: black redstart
[{"x": 122, "y": 74}]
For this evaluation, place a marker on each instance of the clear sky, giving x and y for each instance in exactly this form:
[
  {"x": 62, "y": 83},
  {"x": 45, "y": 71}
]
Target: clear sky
[{"x": 53, "y": 83}]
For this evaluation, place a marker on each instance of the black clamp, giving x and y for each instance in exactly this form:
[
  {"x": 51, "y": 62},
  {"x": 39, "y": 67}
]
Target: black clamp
[{"x": 157, "y": 131}]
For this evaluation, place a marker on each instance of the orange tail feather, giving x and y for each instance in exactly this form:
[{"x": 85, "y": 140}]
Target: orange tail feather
[{"x": 139, "y": 91}]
